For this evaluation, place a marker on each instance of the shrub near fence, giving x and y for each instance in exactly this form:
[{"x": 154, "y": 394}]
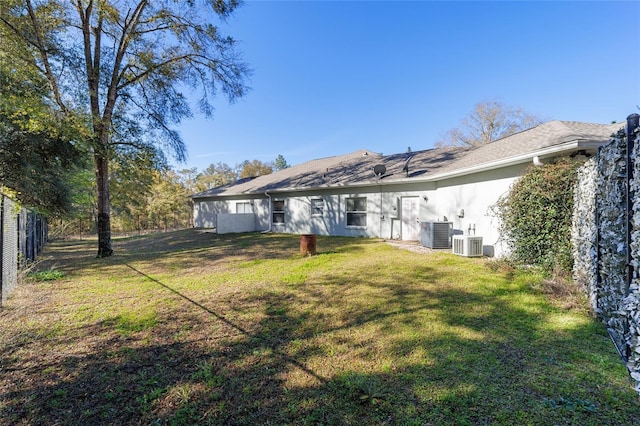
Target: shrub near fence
[
  {"x": 606, "y": 240},
  {"x": 23, "y": 234}
]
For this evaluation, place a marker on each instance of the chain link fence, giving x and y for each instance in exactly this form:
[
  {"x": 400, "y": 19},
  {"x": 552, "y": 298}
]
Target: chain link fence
[{"x": 23, "y": 234}]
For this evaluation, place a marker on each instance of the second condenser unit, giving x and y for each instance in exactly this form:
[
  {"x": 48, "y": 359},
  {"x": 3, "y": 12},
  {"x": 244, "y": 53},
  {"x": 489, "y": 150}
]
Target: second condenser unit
[{"x": 436, "y": 235}]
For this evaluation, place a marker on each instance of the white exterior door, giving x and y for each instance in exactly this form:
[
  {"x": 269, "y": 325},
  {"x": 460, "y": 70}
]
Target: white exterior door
[{"x": 410, "y": 212}]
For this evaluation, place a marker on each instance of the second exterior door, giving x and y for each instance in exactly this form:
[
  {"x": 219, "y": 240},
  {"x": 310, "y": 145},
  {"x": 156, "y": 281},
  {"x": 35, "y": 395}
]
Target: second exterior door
[{"x": 410, "y": 212}]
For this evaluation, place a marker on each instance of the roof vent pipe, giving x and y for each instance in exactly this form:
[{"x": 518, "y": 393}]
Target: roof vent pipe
[{"x": 406, "y": 165}]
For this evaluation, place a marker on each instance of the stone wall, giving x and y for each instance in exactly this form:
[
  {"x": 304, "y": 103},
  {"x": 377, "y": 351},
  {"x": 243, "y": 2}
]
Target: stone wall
[
  {"x": 584, "y": 232},
  {"x": 599, "y": 239}
]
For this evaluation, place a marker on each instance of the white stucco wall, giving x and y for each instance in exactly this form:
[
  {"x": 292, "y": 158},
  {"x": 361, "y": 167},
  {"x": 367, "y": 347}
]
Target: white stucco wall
[
  {"x": 300, "y": 220},
  {"x": 228, "y": 223},
  {"x": 475, "y": 194},
  {"x": 206, "y": 211}
]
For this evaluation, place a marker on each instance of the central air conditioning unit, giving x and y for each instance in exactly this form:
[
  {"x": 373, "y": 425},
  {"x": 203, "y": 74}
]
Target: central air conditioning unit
[
  {"x": 466, "y": 245},
  {"x": 436, "y": 235}
]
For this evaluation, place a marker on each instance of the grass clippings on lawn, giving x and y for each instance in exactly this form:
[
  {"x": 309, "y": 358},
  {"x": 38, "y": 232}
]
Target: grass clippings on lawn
[{"x": 196, "y": 328}]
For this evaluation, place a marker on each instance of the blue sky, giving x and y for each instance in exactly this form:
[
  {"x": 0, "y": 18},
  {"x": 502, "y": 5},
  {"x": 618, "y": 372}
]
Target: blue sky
[{"x": 334, "y": 77}]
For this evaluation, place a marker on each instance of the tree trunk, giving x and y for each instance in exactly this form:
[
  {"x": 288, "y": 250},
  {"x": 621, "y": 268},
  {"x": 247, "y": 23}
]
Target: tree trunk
[{"x": 104, "y": 204}]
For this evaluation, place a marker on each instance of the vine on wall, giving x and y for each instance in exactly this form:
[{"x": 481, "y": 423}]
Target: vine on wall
[{"x": 536, "y": 216}]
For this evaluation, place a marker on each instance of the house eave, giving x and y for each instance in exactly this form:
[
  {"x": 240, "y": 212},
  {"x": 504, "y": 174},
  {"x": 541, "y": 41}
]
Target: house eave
[
  {"x": 528, "y": 157},
  {"x": 564, "y": 148}
]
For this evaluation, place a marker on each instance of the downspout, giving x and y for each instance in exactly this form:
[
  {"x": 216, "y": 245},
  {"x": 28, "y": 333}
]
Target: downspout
[
  {"x": 381, "y": 215},
  {"x": 537, "y": 161},
  {"x": 266, "y": 193}
]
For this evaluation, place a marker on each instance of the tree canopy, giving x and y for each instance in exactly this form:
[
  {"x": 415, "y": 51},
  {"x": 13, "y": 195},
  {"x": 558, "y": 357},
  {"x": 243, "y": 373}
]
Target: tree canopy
[
  {"x": 488, "y": 122},
  {"x": 122, "y": 71},
  {"x": 220, "y": 173},
  {"x": 254, "y": 168},
  {"x": 37, "y": 166},
  {"x": 280, "y": 163},
  {"x": 37, "y": 147},
  {"x": 216, "y": 175}
]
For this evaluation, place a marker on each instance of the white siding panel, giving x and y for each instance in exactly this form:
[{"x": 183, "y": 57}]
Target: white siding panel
[{"x": 235, "y": 223}]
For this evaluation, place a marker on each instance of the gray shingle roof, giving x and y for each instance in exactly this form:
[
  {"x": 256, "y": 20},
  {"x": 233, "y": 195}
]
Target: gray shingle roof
[
  {"x": 546, "y": 135},
  {"x": 356, "y": 168}
]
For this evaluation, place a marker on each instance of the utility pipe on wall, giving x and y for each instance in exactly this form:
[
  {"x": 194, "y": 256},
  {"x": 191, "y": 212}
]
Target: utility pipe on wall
[{"x": 266, "y": 193}]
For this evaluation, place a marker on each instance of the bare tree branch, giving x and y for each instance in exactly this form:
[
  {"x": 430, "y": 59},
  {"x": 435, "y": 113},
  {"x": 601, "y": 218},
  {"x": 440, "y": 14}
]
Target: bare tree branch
[
  {"x": 488, "y": 122},
  {"x": 40, "y": 45}
]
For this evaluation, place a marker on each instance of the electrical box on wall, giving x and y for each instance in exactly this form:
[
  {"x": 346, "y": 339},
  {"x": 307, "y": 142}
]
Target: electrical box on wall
[{"x": 393, "y": 209}]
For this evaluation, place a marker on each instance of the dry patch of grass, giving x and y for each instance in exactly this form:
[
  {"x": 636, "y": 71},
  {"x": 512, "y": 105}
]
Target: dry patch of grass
[{"x": 197, "y": 328}]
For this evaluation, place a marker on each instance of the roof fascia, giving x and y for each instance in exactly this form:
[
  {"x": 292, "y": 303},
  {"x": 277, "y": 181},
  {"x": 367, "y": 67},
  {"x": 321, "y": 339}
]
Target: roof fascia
[
  {"x": 520, "y": 159},
  {"x": 505, "y": 162}
]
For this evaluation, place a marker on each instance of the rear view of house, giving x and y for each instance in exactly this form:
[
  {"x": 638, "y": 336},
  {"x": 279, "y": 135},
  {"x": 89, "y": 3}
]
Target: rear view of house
[{"x": 401, "y": 196}]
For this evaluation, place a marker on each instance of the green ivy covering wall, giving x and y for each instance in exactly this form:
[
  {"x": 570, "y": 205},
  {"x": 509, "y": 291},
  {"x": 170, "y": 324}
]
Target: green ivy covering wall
[{"x": 536, "y": 216}]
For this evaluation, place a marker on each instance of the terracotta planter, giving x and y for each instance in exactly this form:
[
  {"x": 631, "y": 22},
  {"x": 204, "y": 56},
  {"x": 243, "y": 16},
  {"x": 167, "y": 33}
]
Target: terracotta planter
[{"x": 307, "y": 244}]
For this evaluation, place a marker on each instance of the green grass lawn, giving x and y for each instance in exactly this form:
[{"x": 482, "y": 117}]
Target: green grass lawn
[{"x": 193, "y": 328}]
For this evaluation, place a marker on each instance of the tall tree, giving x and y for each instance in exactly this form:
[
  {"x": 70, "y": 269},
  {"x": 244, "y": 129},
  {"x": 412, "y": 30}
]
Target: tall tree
[
  {"x": 254, "y": 168},
  {"x": 132, "y": 175},
  {"x": 280, "y": 163},
  {"x": 118, "y": 68},
  {"x": 189, "y": 179},
  {"x": 215, "y": 175},
  {"x": 168, "y": 203},
  {"x": 488, "y": 122}
]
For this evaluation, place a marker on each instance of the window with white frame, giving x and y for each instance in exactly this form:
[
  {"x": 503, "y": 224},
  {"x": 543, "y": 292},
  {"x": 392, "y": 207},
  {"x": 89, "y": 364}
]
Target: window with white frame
[
  {"x": 244, "y": 207},
  {"x": 317, "y": 207},
  {"x": 356, "y": 211},
  {"x": 278, "y": 212}
]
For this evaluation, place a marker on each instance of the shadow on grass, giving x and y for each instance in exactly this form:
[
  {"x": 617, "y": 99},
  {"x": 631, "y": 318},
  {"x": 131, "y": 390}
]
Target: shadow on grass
[
  {"x": 496, "y": 365},
  {"x": 231, "y": 324},
  {"x": 190, "y": 248},
  {"x": 269, "y": 245}
]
